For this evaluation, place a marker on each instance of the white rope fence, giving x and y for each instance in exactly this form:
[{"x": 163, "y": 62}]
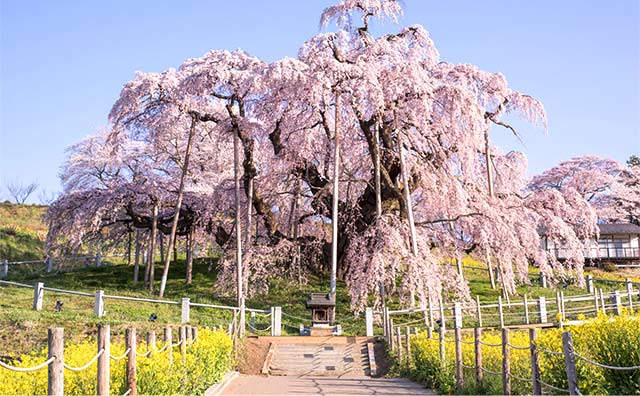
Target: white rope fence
[
  {"x": 124, "y": 355},
  {"x": 604, "y": 365},
  {"x": 28, "y": 369},
  {"x": 86, "y": 366}
]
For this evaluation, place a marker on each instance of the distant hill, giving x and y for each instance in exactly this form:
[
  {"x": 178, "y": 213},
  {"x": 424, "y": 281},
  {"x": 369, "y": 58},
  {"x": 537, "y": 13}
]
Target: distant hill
[{"x": 22, "y": 232}]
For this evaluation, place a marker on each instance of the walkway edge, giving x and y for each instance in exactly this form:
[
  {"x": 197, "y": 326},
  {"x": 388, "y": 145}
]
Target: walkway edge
[{"x": 217, "y": 389}]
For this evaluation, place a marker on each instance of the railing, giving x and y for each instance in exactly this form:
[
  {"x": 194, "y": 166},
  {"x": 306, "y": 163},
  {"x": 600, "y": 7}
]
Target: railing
[
  {"x": 99, "y": 306},
  {"x": 601, "y": 252},
  {"x": 50, "y": 264}
]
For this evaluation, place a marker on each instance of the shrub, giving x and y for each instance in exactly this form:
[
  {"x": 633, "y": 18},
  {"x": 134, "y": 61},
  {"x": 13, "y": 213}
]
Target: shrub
[{"x": 206, "y": 362}]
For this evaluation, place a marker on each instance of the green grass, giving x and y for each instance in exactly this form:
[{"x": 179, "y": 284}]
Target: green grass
[{"x": 22, "y": 232}]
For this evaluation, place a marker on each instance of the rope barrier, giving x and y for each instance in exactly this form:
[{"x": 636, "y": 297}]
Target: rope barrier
[
  {"x": 89, "y": 363},
  {"x": 27, "y": 369},
  {"x": 519, "y": 347},
  {"x": 489, "y": 345},
  {"x": 468, "y": 367},
  {"x": 553, "y": 387},
  {"x": 550, "y": 352},
  {"x": 255, "y": 329},
  {"x": 163, "y": 348},
  {"x": 295, "y": 317},
  {"x": 604, "y": 365},
  {"x": 178, "y": 344},
  {"x": 521, "y": 379},
  {"x": 491, "y": 372},
  {"x": 146, "y": 354},
  {"x": 127, "y": 392},
  {"x": 121, "y": 357},
  {"x": 16, "y": 284}
]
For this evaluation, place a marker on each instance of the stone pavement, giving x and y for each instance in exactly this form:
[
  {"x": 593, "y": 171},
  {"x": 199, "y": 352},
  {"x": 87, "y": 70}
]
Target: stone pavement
[{"x": 325, "y": 386}]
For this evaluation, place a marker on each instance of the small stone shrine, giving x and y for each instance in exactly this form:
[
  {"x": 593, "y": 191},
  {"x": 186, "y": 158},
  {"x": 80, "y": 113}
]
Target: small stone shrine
[{"x": 322, "y": 306}]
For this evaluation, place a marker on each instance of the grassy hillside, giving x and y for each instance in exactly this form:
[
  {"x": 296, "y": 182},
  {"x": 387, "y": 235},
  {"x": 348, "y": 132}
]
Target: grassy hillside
[{"x": 22, "y": 232}]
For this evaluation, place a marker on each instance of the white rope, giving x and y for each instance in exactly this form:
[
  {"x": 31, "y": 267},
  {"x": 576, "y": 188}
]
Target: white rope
[
  {"x": 127, "y": 392},
  {"x": 521, "y": 379},
  {"x": 27, "y": 369},
  {"x": 124, "y": 355},
  {"x": 519, "y": 347},
  {"x": 255, "y": 329},
  {"x": 604, "y": 365},
  {"x": 553, "y": 387},
  {"x": 295, "y": 317},
  {"x": 89, "y": 363},
  {"x": 490, "y": 345},
  {"x": 163, "y": 348},
  {"x": 147, "y": 353},
  {"x": 468, "y": 367},
  {"x": 549, "y": 352},
  {"x": 178, "y": 344},
  {"x": 490, "y": 372}
]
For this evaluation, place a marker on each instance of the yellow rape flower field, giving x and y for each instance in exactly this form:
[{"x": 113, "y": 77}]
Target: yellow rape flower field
[
  {"x": 611, "y": 340},
  {"x": 207, "y": 360}
]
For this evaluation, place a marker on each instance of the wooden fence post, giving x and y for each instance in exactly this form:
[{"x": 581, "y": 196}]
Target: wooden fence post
[
  {"x": 617, "y": 302},
  {"x": 441, "y": 331},
  {"x": 506, "y": 363},
  {"x": 392, "y": 342},
  {"x": 562, "y": 301},
  {"x": 151, "y": 342},
  {"x": 407, "y": 341},
  {"x": 500, "y": 313},
  {"x": 477, "y": 338},
  {"x": 595, "y": 302},
  {"x": 604, "y": 307},
  {"x": 98, "y": 305},
  {"x": 55, "y": 340},
  {"x": 368, "y": 316},
  {"x": 630, "y": 293},
  {"x": 570, "y": 363},
  {"x": 194, "y": 333},
  {"x": 183, "y": 344},
  {"x": 277, "y": 321},
  {"x": 168, "y": 340},
  {"x": 104, "y": 370},
  {"x": 542, "y": 309},
  {"x": 130, "y": 344},
  {"x": 459, "y": 373},
  {"x": 526, "y": 309},
  {"x": 589, "y": 280},
  {"x": 5, "y": 269},
  {"x": 38, "y": 296},
  {"x": 559, "y": 305},
  {"x": 457, "y": 315},
  {"x": 185, "y": 310},
  {"x": 479, "y": 309},
  {"x": 189, "y": 335},
  {"x": 535, "y": 363},
  {"x": 399, "y": 343}
]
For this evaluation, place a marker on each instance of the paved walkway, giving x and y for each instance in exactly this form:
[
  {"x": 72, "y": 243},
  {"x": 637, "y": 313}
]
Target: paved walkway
[{"x": 325, "y": 386}]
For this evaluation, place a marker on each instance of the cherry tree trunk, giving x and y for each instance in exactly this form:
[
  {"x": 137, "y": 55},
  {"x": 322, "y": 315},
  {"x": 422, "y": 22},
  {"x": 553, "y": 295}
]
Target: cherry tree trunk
[
  {"x": 174, "y": 224},
  {"x": 149, "y": 273},
  {"x": 189, "y": 248},
  {"x": 407, "y": 197},
  {"x": 136, "y": 259},
  {"x": 161, "y": 240}
]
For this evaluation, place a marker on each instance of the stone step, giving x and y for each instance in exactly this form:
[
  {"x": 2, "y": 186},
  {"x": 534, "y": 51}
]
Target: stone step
[{"x": 321, "y": 359}]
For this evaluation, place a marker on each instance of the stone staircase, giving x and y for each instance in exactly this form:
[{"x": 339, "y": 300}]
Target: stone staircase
[{"x": 321, "y": 358}]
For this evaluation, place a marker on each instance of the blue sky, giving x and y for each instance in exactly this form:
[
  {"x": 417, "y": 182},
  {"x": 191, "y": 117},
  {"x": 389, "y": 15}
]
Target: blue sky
[{"x": 63, "y": 63}]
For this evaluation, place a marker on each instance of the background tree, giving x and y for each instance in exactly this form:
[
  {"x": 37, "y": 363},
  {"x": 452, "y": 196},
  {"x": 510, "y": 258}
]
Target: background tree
[{"x": 20, "y": 192}]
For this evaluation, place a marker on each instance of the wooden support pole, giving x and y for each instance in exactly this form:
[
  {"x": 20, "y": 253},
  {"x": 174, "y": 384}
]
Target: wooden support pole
[
  {"x": 595, "y": 302},
  {"x": 368, "y": 315},
  {"x": 526, "y": 309},
  {"x": 183, "y": 344},
  {"x": 506, "y": 363},
  {"x": 98, "y": 305},
  {"x": 459, "y": 372},
  {"x": 185, "y": 314},
  {"x": 616, "y": 301},
  {"x": 392, "y": 342},
  {"x": 604, "y": 307},
  {"x": 543, "y": 280},
  {"x": 441, "y": 334},
  {"x": 168, "y": 340},
  {"x": 562, "y": 301},
  {"x": 194, "y": 333},
  {"x": 130, "y": 343},
  {"x": 407, "y": 340},
  {"x": 535, "y": 363},
  {"x": 189, "y": 334},
  {"x": 151, "y": 342},
  {"x": 479, "y": 311},
  {"x": 589, "y": 280},
  {"x": 430, "y": 314},
  {"x": 500, "y": 312},
  {"x": 559, "y": 305},
  {"x": 477, "y": 338},
  {"x": 570, "y": 363},
  {"x": 399, "y": 343},
  {"x": 104, "y": 361},
  {"x": 55, "y": 341}
]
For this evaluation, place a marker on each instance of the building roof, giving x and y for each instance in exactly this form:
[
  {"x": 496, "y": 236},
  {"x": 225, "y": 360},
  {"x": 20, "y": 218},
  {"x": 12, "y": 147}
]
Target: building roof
[
  {"x": 625, "y": 228},
  {"x": 316, "y": 300}
]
